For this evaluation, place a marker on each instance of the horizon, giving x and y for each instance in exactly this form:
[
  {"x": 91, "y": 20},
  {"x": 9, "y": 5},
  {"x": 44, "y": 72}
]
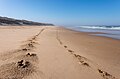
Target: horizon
[{"x": 63, "y": 12}]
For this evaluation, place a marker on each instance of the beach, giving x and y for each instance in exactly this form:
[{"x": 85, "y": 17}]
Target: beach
[{"x": 52, "y": 52}]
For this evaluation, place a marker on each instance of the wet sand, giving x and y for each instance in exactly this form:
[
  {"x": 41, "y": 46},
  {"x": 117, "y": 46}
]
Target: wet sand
[{"x": 48, "y": 52}]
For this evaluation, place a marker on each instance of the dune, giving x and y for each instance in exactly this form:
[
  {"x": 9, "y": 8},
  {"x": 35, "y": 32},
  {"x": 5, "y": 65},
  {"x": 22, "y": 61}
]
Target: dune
[{"x": 51, "y": 52}]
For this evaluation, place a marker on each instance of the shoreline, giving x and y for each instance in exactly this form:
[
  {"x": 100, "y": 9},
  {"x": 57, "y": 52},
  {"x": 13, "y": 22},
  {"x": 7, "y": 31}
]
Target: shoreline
[
  {"x": 94, "y": 34},
  {"x": 90, "y": 33}
]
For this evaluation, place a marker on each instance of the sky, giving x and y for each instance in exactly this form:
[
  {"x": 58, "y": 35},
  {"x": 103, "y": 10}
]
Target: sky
[{"x": 64, "y": 12}]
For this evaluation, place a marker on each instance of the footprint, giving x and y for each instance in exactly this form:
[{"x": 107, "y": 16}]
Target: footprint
[
  {"x": 25, "y": 49},
  {"x": 40, "y": 32},
  {"x": 65, "y": 46},
  {"x": 34, "y": 38},
  {"x": 17, "y": 70},
  {"x": 33, "y": 42},
  {"x": 60, "y": 41},
  {"x": 70, "y": 50},
  {"x": 105, "y": 74},
  {"x": 28, "y": 54},
  {"x": 32, "y": 57},
  {"x": 77, "y": 55},
  {"x": 28, "y": 46},
  {"x": 86, "y": 64},
  {"x": 82, "y": 60}
]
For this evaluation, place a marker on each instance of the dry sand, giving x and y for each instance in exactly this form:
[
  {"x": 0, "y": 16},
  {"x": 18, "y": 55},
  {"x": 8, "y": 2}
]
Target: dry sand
[{"x": 48, "y": 52}]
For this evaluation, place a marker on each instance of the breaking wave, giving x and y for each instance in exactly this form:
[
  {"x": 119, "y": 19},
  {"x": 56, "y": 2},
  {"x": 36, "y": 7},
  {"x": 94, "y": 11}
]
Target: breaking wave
[{"x": 101, "y": 27}]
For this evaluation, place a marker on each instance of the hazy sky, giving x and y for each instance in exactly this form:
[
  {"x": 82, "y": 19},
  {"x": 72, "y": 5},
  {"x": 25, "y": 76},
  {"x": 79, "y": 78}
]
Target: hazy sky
[{"x": 64, "y": 12}]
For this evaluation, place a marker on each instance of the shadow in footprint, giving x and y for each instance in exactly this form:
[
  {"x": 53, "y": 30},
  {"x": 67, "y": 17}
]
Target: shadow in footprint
[
  {"x": 31, "y": 55},
  {"x": 65, "y": 46},
  {"x": 26, "y": 49},
  {"x": 71, "y": 51},
  {"x": 86, "y": 64}
]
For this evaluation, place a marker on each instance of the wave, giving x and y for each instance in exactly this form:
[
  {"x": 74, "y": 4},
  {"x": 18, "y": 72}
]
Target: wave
[{"x": 101, "y": 27}]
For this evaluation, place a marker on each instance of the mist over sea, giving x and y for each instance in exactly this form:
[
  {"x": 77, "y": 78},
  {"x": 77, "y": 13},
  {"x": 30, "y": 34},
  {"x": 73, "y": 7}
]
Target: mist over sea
[{"x": 107, "y": 31}]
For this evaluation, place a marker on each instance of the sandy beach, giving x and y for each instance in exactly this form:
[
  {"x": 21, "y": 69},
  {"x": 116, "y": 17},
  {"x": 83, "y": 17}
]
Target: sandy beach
[{"x": 51, "y": 52}]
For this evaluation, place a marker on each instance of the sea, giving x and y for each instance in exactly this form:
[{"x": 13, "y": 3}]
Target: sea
[{"x": 111, "y": 31}]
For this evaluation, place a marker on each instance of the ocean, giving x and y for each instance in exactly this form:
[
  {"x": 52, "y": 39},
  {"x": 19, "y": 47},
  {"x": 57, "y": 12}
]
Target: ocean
[{"x": 107, "y": 31}]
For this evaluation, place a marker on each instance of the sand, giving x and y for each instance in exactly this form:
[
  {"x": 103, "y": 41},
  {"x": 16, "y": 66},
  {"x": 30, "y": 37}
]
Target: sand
[{"x": 51, "y": 52}]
